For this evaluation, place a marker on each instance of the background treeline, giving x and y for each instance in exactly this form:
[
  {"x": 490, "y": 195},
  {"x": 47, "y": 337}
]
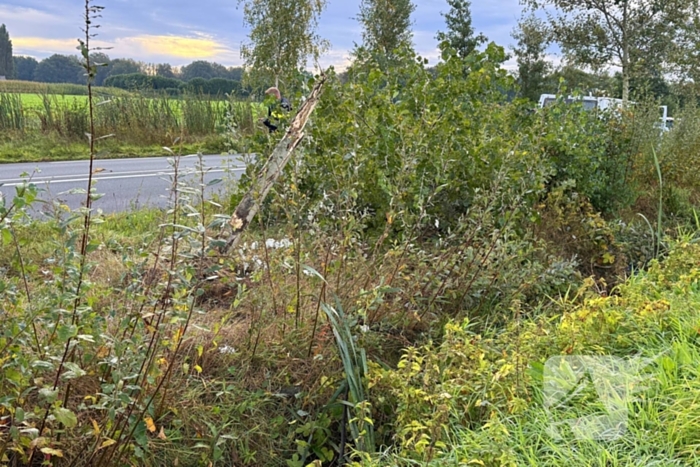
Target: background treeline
[{"x": 199, "y": 76}]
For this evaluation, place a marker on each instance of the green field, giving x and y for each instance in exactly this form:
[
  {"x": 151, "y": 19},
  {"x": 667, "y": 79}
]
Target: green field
[
  {"x": 45, "y": 126},
  {"x": 35, "y": 101},
  {"x": 15, "y": 86}
]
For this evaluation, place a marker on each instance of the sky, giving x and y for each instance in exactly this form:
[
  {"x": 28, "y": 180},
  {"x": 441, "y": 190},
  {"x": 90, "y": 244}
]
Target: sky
[{"x": 181, "y": 31}]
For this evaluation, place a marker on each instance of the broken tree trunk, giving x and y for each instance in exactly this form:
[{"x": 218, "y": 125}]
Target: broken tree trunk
[{"x": 271, "y": 171}]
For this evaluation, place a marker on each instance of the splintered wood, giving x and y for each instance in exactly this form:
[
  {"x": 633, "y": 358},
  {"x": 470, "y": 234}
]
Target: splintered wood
[{"x": 271, "y": 171}]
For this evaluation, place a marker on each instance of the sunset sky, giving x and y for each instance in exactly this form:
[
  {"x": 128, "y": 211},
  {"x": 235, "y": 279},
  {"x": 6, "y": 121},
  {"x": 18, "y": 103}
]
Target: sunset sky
[{"x": 179, "y": 31}]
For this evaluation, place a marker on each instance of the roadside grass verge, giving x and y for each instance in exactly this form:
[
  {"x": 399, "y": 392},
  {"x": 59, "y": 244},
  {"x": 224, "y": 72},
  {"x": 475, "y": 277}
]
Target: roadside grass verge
[
  {"x": 53, "y": 147},
  {"x": 478, "y": 398}
]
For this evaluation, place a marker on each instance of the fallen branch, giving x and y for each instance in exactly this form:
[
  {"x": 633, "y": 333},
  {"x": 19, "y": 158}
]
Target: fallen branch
[{"x": 271, "y": 171}]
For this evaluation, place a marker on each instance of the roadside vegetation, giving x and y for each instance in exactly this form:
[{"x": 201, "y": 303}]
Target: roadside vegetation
[
  {"x": 432, "y": 243},
  {"x": 48, "y": 126}
]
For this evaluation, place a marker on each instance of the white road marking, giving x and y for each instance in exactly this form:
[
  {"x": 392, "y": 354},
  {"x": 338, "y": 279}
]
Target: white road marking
[
  {"x": 56, "y": 178},
  {"x": 140, "y": 175}
]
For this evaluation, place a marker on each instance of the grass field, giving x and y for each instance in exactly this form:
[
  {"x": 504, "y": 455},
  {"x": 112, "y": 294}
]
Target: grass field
[
  {"x": 46, "y": 125},
  {"x": 35, "y": 101},
  {"x": 17, "y": 86}
]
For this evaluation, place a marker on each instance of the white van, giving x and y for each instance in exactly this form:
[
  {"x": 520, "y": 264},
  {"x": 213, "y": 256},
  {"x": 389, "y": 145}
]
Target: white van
[{"x": 604, "y": 103}]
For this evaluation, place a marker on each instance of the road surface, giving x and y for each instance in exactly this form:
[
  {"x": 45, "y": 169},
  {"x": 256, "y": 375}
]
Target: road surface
[{"x": 125, "y": 183}]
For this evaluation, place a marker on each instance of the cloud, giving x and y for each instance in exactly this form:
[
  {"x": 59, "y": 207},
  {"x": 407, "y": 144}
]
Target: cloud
[
  {"x": 340, "y": 59},
  {"x": 43, "y": 45},
  {"x": 179, "y": 47}
]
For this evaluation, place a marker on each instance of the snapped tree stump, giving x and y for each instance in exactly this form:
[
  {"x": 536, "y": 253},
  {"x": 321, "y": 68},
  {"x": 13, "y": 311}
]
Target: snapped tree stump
[{"x": 271, "y": 171}]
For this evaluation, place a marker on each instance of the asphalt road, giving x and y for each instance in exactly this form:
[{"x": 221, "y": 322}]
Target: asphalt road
[{"x": 126, "y": 183}]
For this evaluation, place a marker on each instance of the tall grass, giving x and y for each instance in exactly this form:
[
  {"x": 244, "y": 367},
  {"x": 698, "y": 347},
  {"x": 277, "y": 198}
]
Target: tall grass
[
  {"x": 132, "y": 119},
  {"x": 67, "y": 119},
  {"x": 11, "y": 112},
  {"x": 200, "y": 115}
]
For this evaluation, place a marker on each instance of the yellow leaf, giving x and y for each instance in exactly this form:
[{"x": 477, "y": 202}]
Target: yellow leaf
[
  {"x": 198, "y": 368},
  {"x": 95, "y": 426},
  {"x": 52, "y": 452},
  {"x": 149, "y": 424},
  {"x": 106, "y": 443}
]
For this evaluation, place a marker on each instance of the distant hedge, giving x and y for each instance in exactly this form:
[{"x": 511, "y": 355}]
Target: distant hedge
[
  {"x": 172, "y": 86},
  {"x": 32, "y": 87}
]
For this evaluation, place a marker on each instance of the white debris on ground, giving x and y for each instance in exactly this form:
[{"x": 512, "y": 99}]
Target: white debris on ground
[
  {"x": 225, "y": 349},
  {"x": 252, "y": 262}
]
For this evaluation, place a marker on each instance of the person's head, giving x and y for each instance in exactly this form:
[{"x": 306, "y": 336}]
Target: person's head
[{"x": 273, "y": 91}]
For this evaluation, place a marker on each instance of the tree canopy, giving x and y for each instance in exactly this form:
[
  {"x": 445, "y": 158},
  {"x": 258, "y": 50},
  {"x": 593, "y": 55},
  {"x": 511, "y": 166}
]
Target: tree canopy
[
  {"x": 637, "y": 36},
  {"x": 24, "y": 67},
  {"x": 59, "y": 69},
  {"x": 386, "y": 25},
  {"x": 7, "y": 66},
  {"x": 530, "y": 53},
  {"x": 282, "y": 38},
  {"x": 460, "y": 32}
]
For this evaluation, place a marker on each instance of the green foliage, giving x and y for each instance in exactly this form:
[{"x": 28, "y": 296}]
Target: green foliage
[
  {"x": 215, "y": 87},
  {"x": 11, "y": 112},
  {"x": 140, "y": 81},
  {"x": 426, "y": 156},
  {"x": 436, "y": 389},
  {"x": 477, "y": 397},
  {"x": 640, "y": 37},
  {"x": 7, "y": 65},
  {"x": 574, "y": 229},
  {"x": 530, "y": 53},
  {"x": 460, "y": 34},
  {"x": 26, "y": 87},
  {"x": 594, "y": 150},
  {"x": 24, "y": 67},
  {"x": 122, "y": 66},
  {"x": 59, "y": 69},
  {"x": 386, "y": 26},
  {"x": 678, "y": 152},
  {"x": 282, "y": 37},
  {"x": 207, "y": 71}
]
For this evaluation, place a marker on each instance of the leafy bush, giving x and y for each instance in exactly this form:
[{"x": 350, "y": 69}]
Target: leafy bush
[{"x": 477, "y": 397}]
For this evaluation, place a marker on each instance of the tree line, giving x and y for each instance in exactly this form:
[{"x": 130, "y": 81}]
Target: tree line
[
  {"x": 198, "y": 76},
  {"x": 648, "y": 43}
]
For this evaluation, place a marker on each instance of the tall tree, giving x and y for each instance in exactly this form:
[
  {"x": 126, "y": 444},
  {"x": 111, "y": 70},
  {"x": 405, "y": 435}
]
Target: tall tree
[
  {"x": 460, "y": 33},
  {"x": 282, "y": 38},
  {"x": 59, "y": 69},
  {"x": 235, "y": 73},
  {"x": 165, "y": 70},
  {"x": 203, "y": 69},
  {"x": 123, "y": 66},
  {"x": 7, "y": 65},
  {"x": 530, "y": 53},
  {"x": 635, "y": 35},
  {"x": 386, "y": 25},
  {"x": 687, "y": 52},
  {"x": 103, "y": 63},
  {"x": 24, "y": 67}
]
